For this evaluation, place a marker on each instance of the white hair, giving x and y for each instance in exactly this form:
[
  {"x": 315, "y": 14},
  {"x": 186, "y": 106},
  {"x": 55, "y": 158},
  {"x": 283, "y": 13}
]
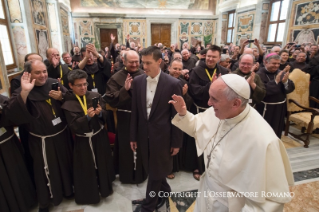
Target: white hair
[{"x": 224, "y": 57}]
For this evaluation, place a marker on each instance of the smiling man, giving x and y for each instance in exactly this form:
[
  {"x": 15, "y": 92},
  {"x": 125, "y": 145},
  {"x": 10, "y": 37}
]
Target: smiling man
[
  {"x": 242, "y": 153},
  {"x": 119, "y": 95},
  {"x": 199, "y": 82},
  {"x": 39, "y": 108},
  {"x": 151, "y": 128}
]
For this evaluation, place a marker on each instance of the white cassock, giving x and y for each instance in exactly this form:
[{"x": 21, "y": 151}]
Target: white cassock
[{"x": 250, "y": 158}]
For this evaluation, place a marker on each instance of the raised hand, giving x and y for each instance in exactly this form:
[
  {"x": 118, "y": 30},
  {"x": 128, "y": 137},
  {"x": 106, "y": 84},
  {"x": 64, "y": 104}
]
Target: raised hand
[
  {"x": 285, "y": 78},
  {"x": 256, "y": 42},
  {"x": 54, "y": 60},
  {"x": 128, "y": 82},
  {"x": 251, "y": 80},
  {"x": 26, "y": 83},
  {"x": 128, "y": 37},
  {"x": 112, "y": 37},
  {"x": 278, "y": 77},
  {"x": 179, "y": 105}
]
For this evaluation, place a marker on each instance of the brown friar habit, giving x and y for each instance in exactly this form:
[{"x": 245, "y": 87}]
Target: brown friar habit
[
  {"x": 98, "y": 75},
  {"x": 275, "y": 93},
  {"x": 259, "y": 93},
  {"x": 17, "y": 192},
  {"x": 181, "y": 160},
  {"x": 119, "y": 98},
  {"x": 93, "y": 164},
  {"x": 198, "y": 88},
  {"x": 37, "y": 114},
  {"x": 55, "y": 73}
]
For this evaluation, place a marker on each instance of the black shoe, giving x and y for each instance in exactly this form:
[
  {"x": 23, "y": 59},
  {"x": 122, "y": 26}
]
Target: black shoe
[
  {"x": 161, "y": 202},
  {"x": 138, "y": 202},
  {"x": 44, "y": 209}
]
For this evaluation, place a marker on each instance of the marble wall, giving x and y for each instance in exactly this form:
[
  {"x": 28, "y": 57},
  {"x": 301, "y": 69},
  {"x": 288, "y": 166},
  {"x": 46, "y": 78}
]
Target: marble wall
[
  {"x": 137, "y": 30},
  {"x": 304, "y": 22}
]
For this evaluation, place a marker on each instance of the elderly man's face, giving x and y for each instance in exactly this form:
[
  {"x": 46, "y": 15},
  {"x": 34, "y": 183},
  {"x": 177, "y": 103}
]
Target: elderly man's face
[
  {"x": 273, "y": 65},
  {"x": 185, "y": 55},
  {"x": 296, "y": 52},
  {"x": 39, "y": 73},
  {"x": 276, "y": 50},
  {"x": 177, "y": 57},
  {"x": 301, "y": 57},
  {"x": 132, "y": 62},
  {"x": 224, "y": 63},
  {"x": 217, "y": 99},
  {"x": 54, "y": 52},
  {"x": 175, "y": 70},
  {"x": 245, "y": 64}
]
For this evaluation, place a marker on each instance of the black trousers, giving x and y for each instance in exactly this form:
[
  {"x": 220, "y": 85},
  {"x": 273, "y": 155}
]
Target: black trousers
[{"x": 153, "y": 188}]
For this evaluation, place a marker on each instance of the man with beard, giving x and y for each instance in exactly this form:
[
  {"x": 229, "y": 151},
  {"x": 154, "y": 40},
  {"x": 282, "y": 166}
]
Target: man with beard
[
  {"x": 246, "y": 70},
  {"x": 273, "y": 107},
  {"x": 199, "y": 82},
  {"x": 56, "y": 70},
  {"x": 98, "y": 73},
  {"x": 93, "y": 163},
  {"x": 39, "y": 107},
  {"x": 77, "y": 56},
  {"x": 119, "y": 95}
]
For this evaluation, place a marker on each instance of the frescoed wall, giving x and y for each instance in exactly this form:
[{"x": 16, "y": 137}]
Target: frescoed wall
[
  {"x": 244, "y": 26},
  {"x": 304, "y": 22},
  {"x": 40, "y": 25},
  {"x": 190, "y": 31},
  {"x": 150, "y": 4}
]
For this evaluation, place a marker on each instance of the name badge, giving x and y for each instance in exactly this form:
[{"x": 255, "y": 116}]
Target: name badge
[
  {"x": 2, "y": 131},
  {"x": 56, "y": 121},
  {"x": 95, "y": 90},
  {"x": 250, "y": 101}
]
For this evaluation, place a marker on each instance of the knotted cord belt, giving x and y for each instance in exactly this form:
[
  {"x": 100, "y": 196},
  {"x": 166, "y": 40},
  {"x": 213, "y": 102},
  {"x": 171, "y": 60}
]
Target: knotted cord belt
[
  {"x": 271, "y": 103},
  {"x": 44, "y": 154},
  {"x": 1, "y": 142},
  {"x": 90, "y": 135},
  {"x": 198, "y": 107}
]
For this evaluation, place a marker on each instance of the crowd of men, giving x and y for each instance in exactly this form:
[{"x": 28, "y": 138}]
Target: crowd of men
[{"x": 60, "y": 109}]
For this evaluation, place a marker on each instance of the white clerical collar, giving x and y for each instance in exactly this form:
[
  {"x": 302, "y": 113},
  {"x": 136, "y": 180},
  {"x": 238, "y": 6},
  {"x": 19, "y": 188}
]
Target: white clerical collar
[
  {"x": 155, "y": 79},
  {"x": 239, "y": 117}
]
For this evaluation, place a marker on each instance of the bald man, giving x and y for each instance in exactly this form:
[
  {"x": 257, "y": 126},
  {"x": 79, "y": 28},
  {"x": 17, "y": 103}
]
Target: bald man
[
  {"x": 230, "y": 135},
  {"x": 118, "y": 95},
  {"x": 188, "y": 61},
  {"x": 246, "y": 70},
  {"x": 57, "y": 70},
  {"x": 244, "y": 50},
  {"x": 275, "y": 49}
]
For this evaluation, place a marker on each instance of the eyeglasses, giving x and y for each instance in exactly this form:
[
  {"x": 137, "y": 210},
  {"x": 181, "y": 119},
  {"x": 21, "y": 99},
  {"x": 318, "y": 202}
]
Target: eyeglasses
[{"x": 80, "y": 85}]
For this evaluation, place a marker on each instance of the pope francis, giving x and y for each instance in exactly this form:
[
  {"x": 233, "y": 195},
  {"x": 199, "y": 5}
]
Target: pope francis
[{"x": 247, "y": 167}]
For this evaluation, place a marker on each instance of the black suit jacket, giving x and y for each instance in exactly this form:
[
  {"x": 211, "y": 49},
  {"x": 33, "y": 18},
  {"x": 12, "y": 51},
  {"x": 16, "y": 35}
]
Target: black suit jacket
[{"x": 155, "y": 136}]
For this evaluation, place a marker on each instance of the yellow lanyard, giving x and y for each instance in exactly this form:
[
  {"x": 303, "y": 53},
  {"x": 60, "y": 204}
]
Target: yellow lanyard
[
  {"x": 50, "y": 103},
  {"x": 61, "y": 75},
  {"x": 92, "y": 75},
  {"x": 83, "y": 105},
  {"x": 211, "y": 77}
]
